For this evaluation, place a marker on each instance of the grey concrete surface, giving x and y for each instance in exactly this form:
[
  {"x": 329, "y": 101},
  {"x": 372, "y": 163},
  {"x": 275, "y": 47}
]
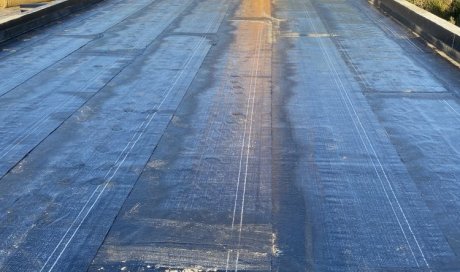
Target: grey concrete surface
[{"x": 228, "y": 135}]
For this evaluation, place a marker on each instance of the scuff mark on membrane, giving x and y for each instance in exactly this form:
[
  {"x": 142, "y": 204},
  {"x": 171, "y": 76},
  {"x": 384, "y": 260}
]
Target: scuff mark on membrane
[
  {"x": 275, "y": 250},
  {"x": 135, "y": 209},
  {"x": 157, "y": 164}
]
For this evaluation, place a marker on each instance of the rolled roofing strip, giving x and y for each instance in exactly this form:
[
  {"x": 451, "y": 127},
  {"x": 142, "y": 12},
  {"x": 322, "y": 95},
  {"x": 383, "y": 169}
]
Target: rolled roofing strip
[{"x": 14, "y": 3}]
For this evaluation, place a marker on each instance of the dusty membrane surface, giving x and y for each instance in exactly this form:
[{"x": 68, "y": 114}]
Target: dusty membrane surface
[{"x": 228, "y": 135}]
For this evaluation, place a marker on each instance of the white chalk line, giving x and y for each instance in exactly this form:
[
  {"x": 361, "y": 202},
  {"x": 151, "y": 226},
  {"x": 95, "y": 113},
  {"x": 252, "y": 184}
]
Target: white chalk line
[
  {"x": 242, "y": 151},
  {"x": 343, "y": 92},
  {"x": 248, "y": 151},
  {"x": 398, "y": 35},
  {"x": 194, "y": 50},
  {"x": 139, "y": 132},
  {"x": 451, "y": 108},
  {"x": 243, "y": 144}
]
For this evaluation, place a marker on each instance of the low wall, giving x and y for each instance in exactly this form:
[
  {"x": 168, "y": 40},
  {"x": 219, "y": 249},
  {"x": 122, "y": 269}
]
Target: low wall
[
  {"x": 40, "y": 16},
  {"x": 442, "y": 34},
  {"x": 14, "y": 3}
]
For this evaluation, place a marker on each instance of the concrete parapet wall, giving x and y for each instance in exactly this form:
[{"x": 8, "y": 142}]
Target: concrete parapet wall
[
  {"x": 14, "y": 3},
  {"x": 442, "y": 34},
  {"x": 39, "y": 17}
]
